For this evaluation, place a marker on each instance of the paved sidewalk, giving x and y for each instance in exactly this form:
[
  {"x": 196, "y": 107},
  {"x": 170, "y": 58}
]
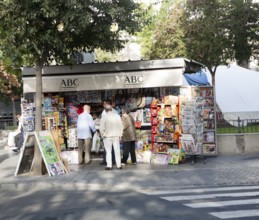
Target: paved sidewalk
[{"x": 214, "y": 171}]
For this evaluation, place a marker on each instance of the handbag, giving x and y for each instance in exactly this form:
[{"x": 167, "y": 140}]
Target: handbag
[
  {"x": 137, "y": 124},
  {"x": 96, "y": 142},
  {"x": 140, "y": 100},
  {"x": 71, "y": 156}
]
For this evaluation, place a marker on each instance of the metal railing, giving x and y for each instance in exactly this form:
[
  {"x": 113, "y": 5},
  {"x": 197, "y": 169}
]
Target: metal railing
[
  {"x": 6, "y": 123},
  {"x": 238, "y": 126},
  {"x": 223, "y": 126}
]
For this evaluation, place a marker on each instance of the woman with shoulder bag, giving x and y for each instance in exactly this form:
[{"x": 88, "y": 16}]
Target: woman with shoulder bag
[{"x": 128, "y": 137}]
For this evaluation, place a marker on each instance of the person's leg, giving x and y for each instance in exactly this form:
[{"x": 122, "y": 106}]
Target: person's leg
[
  {"x": 80, "y": 151},
  {"x": 116, "y": 146},
  {"x": 108, "y": 148},
  {"x": 104, "y": 155},
  {"x": 104, "y": 152},
  {"x": 126, "y": 149},
  {"x": 133, "y": 152},
  {"x": 113, "y": 156},
  {"x": 87, "y": 157},
  {"x": 18, "y": 142},
  {"x": 21, "y": 140}
]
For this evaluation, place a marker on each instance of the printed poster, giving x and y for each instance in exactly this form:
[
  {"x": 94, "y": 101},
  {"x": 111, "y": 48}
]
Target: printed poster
[{"x": 50, "y": 154}]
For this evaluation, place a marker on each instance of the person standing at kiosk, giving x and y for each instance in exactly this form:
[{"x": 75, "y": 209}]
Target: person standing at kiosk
[
  {"x": 111, "y": 130},
  {"x": 85, "y": 128}
]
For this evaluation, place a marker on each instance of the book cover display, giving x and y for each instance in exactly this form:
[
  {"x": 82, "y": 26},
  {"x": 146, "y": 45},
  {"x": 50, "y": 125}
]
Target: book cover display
[{"x": 28, "y": 113}]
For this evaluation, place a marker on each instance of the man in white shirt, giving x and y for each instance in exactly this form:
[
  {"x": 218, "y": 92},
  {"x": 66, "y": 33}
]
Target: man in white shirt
[
  {"x": 85, "y": 128},
  {"x": 111, "y": 130},
  {"x": 106, "y": 103}
]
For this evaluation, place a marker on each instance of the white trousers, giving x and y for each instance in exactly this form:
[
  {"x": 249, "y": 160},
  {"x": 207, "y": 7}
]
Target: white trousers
[{"x": 108, "y": 143}]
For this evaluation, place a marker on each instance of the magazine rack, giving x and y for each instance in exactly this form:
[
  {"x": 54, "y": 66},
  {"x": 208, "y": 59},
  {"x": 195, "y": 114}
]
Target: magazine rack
[{"x": 198, "y": 120}]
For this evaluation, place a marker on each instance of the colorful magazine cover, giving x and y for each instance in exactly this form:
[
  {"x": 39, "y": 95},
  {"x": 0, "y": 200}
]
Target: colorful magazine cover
[{"x": 188, "y": 145}]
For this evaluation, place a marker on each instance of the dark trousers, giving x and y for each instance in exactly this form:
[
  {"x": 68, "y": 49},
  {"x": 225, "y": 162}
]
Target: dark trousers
[
  {"x": 113, "y": 156},
  {"x": 129, "y": 148},
  {"x": 19, "y": 140}
]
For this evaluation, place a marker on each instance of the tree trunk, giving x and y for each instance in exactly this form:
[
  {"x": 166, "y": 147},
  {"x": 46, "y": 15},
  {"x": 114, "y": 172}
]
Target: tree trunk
[
  {"x": 244, "y": 63},
  {"x": 37, "y": 163},
  {"x": 213, "y": 75},
  {"x": 14, "y": 112},
  {"x": 213, "y": 79}
]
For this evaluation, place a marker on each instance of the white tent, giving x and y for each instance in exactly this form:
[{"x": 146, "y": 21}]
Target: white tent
[{"x": 237, "y": 91}]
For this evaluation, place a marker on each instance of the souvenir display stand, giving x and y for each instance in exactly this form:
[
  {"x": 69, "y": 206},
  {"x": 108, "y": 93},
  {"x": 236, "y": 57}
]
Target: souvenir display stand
[{"x": 55, "y": 117}]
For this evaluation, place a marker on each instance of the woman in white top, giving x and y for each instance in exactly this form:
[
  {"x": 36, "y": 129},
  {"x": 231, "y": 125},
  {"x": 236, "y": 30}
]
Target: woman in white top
[{"x": 13, "y": 134}]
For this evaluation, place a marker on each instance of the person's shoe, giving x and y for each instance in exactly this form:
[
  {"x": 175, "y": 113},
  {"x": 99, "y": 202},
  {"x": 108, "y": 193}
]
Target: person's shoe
[
  {"x": 88, "y": 162},
  {"x": 134, "y": 163},
  {"x": 103, "y": 163},
  {"x": 123, "y": 164},
  {"x": 108, "y": 168},
  {"x": 119, "y": 168},
  {"x": 16, "y": 150}
]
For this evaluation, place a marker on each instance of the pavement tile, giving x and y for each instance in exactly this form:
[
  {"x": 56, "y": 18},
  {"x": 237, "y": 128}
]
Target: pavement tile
[
  {"x": 220, "y": 170},
  {"x": 211, "y": 171}
]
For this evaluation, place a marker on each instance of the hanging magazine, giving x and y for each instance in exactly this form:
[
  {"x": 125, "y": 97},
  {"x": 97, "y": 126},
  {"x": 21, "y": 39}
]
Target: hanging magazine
[{"x": 188, "y": 144}]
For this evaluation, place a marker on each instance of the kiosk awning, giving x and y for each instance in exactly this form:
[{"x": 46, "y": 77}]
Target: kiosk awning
[{"x": 106, "y": 76}]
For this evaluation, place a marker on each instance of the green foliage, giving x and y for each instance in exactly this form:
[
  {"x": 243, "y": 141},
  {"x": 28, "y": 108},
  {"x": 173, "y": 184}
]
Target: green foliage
[
  {"x": 146, "y": 35},
  {"x": 168, "y": 32},
  {"x": 46, "y": 30},
  {"x": 244, "y": 30},
  {"x": 10, "y": 82},
  {"x": 214, "y": 32},
  {"x": 206, "y": 35},
  {"x": 104, "y": 56},
  {"x": 250, "y": 128},
  {"x": 220, "y": 31}
]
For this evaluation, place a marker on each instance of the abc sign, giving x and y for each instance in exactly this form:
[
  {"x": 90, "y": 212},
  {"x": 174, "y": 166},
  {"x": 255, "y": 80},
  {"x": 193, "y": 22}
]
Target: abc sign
[
  {"x": 69, "y": 83},
  {"x": 134, "y": 79}
]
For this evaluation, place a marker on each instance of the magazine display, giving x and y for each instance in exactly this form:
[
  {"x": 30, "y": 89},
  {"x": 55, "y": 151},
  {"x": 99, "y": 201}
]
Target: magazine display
[{"x": 197, "y": 114}]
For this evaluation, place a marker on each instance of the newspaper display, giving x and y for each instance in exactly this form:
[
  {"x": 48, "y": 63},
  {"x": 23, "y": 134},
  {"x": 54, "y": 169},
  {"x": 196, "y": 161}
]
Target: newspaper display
[
  {"x": 198, "y": 122},
  {"x": 192, "y": 109},
  {"x": 188, "y": 145}
]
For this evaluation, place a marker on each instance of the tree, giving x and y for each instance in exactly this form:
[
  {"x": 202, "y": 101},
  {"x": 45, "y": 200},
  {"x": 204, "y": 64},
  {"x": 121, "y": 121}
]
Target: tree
[
  {"x": 244, "y": 30},
  {"x": 206, "y": 34},
  {"x": 45, "y": 30},
  {"x": 10, "y": 84},
  {"x": 168, "y": 38},
  {"x": 146, "y": 35},
  {"x": 214, "y": 32}
]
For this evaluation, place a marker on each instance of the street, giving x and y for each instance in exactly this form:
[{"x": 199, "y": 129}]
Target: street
[
  {"x": 222, "y": 188},
  {"x": 239, "y": 202}
]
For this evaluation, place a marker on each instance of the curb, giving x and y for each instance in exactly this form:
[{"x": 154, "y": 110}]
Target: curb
[{"x": 74, "y": 185}]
